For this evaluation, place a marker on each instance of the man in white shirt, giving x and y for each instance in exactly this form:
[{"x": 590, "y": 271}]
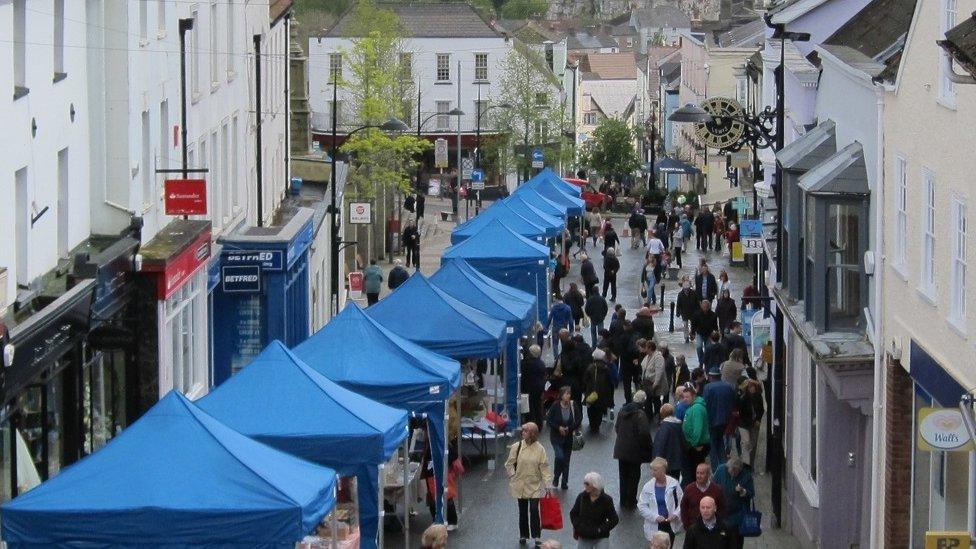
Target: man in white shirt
[{"x": 655, "y": 247}]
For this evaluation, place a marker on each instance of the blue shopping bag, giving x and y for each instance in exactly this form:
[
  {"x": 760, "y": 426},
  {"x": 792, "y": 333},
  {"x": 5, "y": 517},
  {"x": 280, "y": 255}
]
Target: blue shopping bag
[{"x": 751, "y": 525}]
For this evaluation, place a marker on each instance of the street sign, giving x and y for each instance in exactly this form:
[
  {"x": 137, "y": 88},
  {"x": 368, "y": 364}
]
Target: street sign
[
  {"x": 186, "y": 197},
  {"x": 360, "y": 213},
  {"x": 752, "y": 245},
  {"x": 477, "y": 180},
  {"x": 466, "y": 166},
  {"x": 752, "y": 228},
  {"x": 537, "y": 158},
  {"x": 356, "y": 285},
  {"x": 440, "y": 153},
  {"x": 241, "y": 279}
]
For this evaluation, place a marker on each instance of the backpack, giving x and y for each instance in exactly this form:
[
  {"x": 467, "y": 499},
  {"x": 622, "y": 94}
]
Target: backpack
[{"x": 408, "y": 203}]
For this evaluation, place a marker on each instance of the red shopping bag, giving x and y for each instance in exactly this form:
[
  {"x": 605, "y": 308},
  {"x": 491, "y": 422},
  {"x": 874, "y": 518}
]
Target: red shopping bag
[{"x": 551, "y": 512}]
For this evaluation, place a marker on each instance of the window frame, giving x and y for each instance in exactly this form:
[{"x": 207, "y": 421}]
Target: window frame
[
  {"x": 214, "y": 33},
  {"x": 483, "y": 77},
  {"x": 335, "y": 67},
  {"x": 947, "y": 89},
  {"x": 901, "y": 211},
  {"x": 442, "y": 120},
  {"x": 927, "y": 268},
  {"x": 58, "y": 40},
  {"x": 442, "y": 73},
  {"x": 958, "y": 263}
]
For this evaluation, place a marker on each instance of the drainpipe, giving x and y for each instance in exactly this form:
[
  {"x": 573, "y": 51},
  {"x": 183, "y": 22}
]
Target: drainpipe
[
  {"x": 878, "y": 439},
  {"x": 259, "y": 165}
]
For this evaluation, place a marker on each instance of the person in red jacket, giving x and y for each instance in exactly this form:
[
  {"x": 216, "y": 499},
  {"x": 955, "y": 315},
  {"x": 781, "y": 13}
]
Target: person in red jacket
[{"x": 695, "y": 491}]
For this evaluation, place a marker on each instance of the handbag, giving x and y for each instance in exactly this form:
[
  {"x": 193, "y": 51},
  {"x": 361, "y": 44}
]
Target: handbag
[
  {"x": 592, "y": 398},
  {"x": 578, "y": 441},
  {"x": 643, "y": 292},
  {"x": 586, "y": 321},
  {"x": 551, "y": 512},
  {"x": 751, "y": 525}
]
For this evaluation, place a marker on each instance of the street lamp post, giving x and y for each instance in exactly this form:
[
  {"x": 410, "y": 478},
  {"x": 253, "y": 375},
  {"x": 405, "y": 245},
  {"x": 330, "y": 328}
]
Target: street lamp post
[
  {"x": 651, "y": 125},
  {"x": 477, "y": 154},
  {"x": 392, "y": 125}
]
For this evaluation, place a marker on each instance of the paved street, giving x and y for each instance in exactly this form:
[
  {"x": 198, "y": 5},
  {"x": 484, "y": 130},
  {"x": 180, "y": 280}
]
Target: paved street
[{"x": 488, "y": 514}]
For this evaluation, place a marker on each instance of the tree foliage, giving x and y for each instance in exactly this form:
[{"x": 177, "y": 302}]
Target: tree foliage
[
  {"x": 524, "y": 9},
  {"x": 376, "y": 91},
  {"x": 536, "y": 116},
  {"x": 611, "y": 150}
]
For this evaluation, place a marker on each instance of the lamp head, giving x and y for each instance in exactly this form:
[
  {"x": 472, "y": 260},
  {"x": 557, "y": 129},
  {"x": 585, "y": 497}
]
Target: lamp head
[
  {"x": 691, "y": 113},
  {"x": 455, "y": 112},
  {"x": 394, "y": 124},
  {"x": 503, "y": 106}
]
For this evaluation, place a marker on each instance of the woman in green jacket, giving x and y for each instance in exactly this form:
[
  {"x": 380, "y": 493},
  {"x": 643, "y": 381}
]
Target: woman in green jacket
[{"x": 695, "y": 428}]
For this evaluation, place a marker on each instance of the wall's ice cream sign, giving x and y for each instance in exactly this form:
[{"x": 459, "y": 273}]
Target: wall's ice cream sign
[{"x": 942, "y": 429}]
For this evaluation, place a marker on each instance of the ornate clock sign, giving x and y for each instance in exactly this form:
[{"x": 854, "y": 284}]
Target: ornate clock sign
[{"x": 725, "y": 132}]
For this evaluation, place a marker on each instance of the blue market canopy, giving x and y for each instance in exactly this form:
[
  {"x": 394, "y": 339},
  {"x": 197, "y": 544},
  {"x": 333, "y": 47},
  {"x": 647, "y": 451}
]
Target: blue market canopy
[
  {"x": 506, "y": 257},
  {"x": 561, "y": 183},
  {"x": 541, "y": 203},
  {"x": 358, "y": 353},
  {"x": 502, "y": 212},
  {"x": 553, "y": 191},
  {"x": 175, "y": 477},
  {"x": 424, "y": 314},
  {"x": 672, "y": 165},
  {"x": 463, "y": 282},
  {"x": 279, "y": 400},
  {"x": 553, "y": 224}
]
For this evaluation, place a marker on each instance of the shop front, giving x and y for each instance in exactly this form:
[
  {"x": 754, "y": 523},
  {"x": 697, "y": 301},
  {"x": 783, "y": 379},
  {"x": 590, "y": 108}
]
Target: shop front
[
  {"x": 262, "y": 292},
  {"x": 67, "y": 365},
  {"x": 174, "y": 342},
  {"x": 943, "y": 462}
]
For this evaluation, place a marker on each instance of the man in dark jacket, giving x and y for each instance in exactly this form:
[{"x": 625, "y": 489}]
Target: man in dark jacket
[
  {"x": 610, "y": 267},
  {"x": 687, "y": 306},
  {"x": 596, "y": 309},
  {"x": 714, "y": 354},
  {"x": 720, "y": 399},
  {"x": 534, "y": 382},
  {"x": 560, "y": 317},
  {"x": 638, "y": 228},
  {"x": 644, "y": 324},
  {"x": 708, "y": 228},
  {"x": 631, "y": 448},
  {"x": 398, "y": 275},
  {"x": 610, "y": 238},
  {"x": 734, "y": 340},
  {"x": 705, "y": 285},
  {"x": 702, "y": 326},
  {"x": 574, "y": 298},
  {"x": 708, "y": 532},
  {"x": 588, "y": 273},
  {"x": 411, "y": 241}
]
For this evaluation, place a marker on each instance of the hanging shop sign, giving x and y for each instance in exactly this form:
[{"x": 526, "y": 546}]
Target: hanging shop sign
[
  {"x": 947, "y": 540},
  {"x": 356, "y": 282},
  {"x": 942, "y": 430},
  {"x": 186, "y": 197},
  {"x": 360, "y": 213},
  {"x": 241, "y": 279},
  {"x": 440, "y": 153}
]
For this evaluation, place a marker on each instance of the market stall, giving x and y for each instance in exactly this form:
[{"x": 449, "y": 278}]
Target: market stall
[
  {"x": 554, "y": 192},
  {"x": 177, "y": 476},
  {"x": 561, "y": 184},
  {"x": 506, "y": 257},
  {"x": 463, "y": 282},
  {"x": 553, "y": 224},
  {"x": 279, "y": 400},
  {"x": 501, "y": 212},
  {"x": 358, "y": 353}
]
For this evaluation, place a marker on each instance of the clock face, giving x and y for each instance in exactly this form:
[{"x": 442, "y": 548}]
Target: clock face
[{"x": 722, "y": 132}]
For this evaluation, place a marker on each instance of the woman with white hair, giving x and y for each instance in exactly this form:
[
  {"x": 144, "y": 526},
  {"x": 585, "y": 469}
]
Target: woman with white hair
[
  {"x": 593, "y": 515},
  {"x": 660, "y": 502},
  {"x": 660, "y": 540}
]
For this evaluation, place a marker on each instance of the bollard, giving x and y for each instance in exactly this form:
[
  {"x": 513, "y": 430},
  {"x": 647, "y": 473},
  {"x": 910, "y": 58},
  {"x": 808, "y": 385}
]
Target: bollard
[
  {"x": 662, "y": 296},
  {"x": 671, "y": 324}
]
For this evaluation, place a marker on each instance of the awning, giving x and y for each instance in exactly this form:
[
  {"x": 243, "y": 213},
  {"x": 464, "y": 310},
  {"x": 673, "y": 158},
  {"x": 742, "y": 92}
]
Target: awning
[
  {"x": 671, "y": 165},
  {"x": 811, "y": 149},
  {"x": 843, "y": 173}
]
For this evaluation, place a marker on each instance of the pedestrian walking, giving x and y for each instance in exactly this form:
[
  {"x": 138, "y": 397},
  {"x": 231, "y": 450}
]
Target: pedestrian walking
[
  {"x": 632, "y": 447},
  {"x": 708, "y": 532},
  {"x": 411, "y": 241},
  {"x": 598, "y": 390},
  {"x": 630, "y": 345},
  {"x": 708, "y": 228},
  {"x": 705, "y": 285},
  {"x": 735, "y": 478},
  {"x": 723, "y": 282},
  {"x": 703, "y": 324},
  {"x": 751, "y": 410},
  {"x": 725, "y": 310},
  {"x": 694, "y": 491},
  {"x": 576, "y": 301},
  {"x": 734, "y": 340},
  {"x": 588, "y": 273},
  {"x": 596, "y": 309},
  {"x": 563, "y": 420},
  {"x": 638, "y": 226},
  {"x": 695, "y": 429},
  {"x": 687, "y": 305},
  {"x": 714, "y": 354},
  {"x": 678, "y": 242},
  {"x": 533, "y": 371},
  {"x": 593, "y": 514},
  {"x": 560, "y": 317},
  {"x": 372, "y": 282},
  {"x": 596, "y": 225},
  {"x": 660, "y": 502},
  {"x": 668, "y": 441},
  {"x": 733, "y": 368},
  {"x": 421, "y": 205},
  {"x": 398, "y": 275},
  {"x": 528, "y": 476},
  {"x": 610, "y": 238},
  {"x": 687, "y": 227},
  {"x": 654, "y": 378},
  {"x": 682, "y": 374},
  {"x": 610, "y": 267},
  {"x": 656, "y": 247},
  {"x": 648, "y": 280},
  {"x": 719, "y": 230},
  {"x": 720, "y": 401}
]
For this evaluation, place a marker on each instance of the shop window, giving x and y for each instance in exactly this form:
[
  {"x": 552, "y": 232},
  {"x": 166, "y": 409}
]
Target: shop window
[
  {"x": 844, "y": 253},
  {"x": 185, "y": 329}
]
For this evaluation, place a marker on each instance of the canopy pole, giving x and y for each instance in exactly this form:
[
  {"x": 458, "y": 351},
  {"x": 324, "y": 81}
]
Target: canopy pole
[
  {"x": 382, "y": 520},
  {"x": 406, "y": 493},
  {"x": 458, "y": 441},
  {"x": 445, "y": 466},
  {"x": 334, "y": 522}
]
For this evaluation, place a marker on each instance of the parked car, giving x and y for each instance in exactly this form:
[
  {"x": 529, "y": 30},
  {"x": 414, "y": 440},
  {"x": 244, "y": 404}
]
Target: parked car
[{"x": 592, "y": 197}]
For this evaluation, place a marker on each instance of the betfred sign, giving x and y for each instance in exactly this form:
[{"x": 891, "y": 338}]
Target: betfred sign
[
  {"x": 241, "y": 279},
  {"x": 186, "y": 197},
  {"x": 356, "y": 282}
]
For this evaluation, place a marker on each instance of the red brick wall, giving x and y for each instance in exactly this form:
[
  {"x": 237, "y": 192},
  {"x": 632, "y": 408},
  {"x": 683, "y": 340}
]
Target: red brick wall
[{"x": 898, "y": 455}]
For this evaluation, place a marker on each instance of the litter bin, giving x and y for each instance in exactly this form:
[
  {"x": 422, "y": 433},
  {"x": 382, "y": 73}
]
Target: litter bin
[{"x": 393, "y": 234}]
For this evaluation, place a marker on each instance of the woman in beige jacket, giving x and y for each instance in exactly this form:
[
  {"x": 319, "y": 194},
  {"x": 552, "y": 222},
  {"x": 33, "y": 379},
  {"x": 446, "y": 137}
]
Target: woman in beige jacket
[{"x": 528, "y": 477}]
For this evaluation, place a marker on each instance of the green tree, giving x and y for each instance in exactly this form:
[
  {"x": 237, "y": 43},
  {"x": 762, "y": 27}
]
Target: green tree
[
  {"x": 524, "y": 9},
  {"x": 536, "y": 114},
  {"x": 611, "y": 150}
]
